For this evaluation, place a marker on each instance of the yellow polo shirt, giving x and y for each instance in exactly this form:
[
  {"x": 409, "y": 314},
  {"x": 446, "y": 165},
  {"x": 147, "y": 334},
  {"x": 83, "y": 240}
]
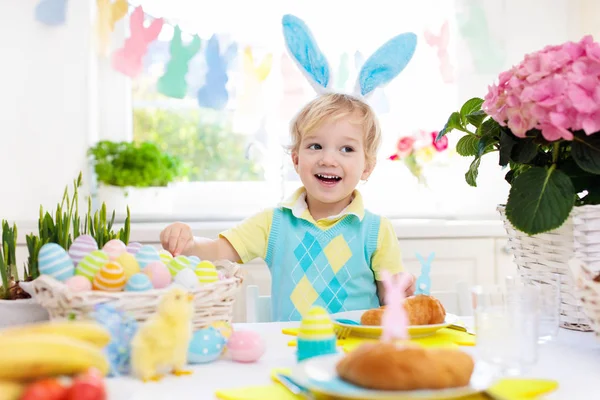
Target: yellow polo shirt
[{"x": 250, "y": 238}]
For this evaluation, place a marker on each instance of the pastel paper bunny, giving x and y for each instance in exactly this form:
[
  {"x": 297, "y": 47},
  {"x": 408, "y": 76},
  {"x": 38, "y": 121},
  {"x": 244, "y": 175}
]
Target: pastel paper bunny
[
  {"x": 214, "y": 92},
  {"x": 173, "y": 83},
  {"x": 129, "y": 59},
  {"x": 394, "y": 320},
  {"x": 424, "y": 280},
  {"x": 51, "y": 12},
  {"x": 441, "y": 42},
  {"x": 377, "y": 71},
  {"x": 107, "y": 16}
]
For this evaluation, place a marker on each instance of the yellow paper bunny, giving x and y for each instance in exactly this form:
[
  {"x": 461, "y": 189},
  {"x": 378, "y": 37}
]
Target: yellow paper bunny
[{"x": 163, "y": 340}]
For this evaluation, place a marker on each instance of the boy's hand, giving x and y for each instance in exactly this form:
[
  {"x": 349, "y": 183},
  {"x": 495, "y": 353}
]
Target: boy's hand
[
  {"x": 177, "y": 238},
  {"x": 410, "y": 290}
]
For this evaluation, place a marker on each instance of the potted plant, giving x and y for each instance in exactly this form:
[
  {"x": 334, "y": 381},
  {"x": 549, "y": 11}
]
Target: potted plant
[
  {"x": 134, "y": 174},
  {"x": 542, "y": 120}
]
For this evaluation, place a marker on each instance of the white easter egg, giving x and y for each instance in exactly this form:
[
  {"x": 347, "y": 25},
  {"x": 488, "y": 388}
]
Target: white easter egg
[
  {"x": 187, "y": 278},
  {"x": 53, "y": 260},
  {"x": 81, "y": 246},
  {"x": 114, "y": 248}
]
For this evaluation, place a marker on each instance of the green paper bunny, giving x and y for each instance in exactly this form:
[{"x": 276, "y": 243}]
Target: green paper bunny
[{"x": 173, "y": 83}]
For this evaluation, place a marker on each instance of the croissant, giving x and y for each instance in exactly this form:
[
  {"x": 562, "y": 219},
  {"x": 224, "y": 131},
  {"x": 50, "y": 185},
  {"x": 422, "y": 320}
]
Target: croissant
[{"x": 421, "y": 310}]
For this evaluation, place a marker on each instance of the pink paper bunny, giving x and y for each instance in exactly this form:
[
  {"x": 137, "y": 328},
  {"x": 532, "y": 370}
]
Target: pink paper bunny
[
  {"x": 129, "y": 59},
  {"x": 394, "y": 320},
  {"x": 441, "y": 42}
]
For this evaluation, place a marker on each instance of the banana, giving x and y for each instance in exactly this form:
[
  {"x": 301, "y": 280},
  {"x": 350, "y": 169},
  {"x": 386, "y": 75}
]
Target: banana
[
  {"x": 29, "y": 356},
  {"x": 11, "y": 390},
  {"x": 87, "y": 331}
]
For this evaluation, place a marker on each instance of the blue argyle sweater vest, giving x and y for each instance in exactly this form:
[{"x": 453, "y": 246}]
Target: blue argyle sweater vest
[{"x": 330, "y": 268}]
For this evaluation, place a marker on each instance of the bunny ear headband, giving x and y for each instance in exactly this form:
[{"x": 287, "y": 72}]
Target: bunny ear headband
[{"x": 380, "y": 68}]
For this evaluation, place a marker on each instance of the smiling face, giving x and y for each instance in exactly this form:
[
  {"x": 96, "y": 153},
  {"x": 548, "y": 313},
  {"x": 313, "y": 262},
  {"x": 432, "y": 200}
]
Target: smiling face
[{"x": 331, "y": 161}]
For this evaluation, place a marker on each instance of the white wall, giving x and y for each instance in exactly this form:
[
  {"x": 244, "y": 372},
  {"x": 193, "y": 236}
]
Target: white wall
[{"x": 53, "y": 106}]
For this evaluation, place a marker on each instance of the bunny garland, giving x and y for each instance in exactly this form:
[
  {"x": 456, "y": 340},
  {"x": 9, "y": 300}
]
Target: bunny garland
[
  {"x": 394, "y": 320},
  {"x": 214, "y": 92},
  {"x": 51, "y": 12},
  {"x": 108, "y": 15},
  {"x": 173, "y": 83},
  {"x": 129, "y": 59},
  {"x": 441, "y": 42},
  {"x": 379, "y": 69}
]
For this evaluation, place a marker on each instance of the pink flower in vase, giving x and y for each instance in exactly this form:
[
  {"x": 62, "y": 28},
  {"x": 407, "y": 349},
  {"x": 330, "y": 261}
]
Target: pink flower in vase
[
  {"x": 439, "y": 145},
  {"x": 405, "y": 146}
]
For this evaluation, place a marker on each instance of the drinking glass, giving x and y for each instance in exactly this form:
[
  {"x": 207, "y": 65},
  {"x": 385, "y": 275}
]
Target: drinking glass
[
  {"x": 549, "y": 286},
  {"x": 506, "y": 326}
]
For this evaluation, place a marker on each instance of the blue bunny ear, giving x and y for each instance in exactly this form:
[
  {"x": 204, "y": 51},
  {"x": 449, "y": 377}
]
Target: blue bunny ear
[
  {"x": 386, "y": 62},
  {"x": 303, "y": 48}
]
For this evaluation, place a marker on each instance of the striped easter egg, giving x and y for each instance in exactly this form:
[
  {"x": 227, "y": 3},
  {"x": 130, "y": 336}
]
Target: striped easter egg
[
  {"x": 206, "y": 272},
  {"x": 316, "y": 325},
  {"x": 53, "y": 260},
  {"x": 134, "y": 247},
  {"x": 91, "y": 264},
  {"x": 81, "y": 246},
  {"x": 110, "y": 278},
  {"x": 194, "y": 260},
  {"x": 129, "y": 264},
  {"x": 177, "y": 264},
  {"x": 165, "y": 256},
  {"x": 147, "y": 255},
  {"x": 138, "y": 283},
  {"x": 114, "y": 248}
]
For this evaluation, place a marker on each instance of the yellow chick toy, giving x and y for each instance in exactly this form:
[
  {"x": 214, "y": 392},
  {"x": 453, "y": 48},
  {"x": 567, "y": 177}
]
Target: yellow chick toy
[{"x": 162, "y": 341}]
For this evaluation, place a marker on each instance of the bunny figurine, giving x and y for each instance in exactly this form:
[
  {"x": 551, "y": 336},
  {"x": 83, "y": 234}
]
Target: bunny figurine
[
  {"x": 214, "y": 92},
  {"x": 424, "y": 280},
  {"x": 395, "y": 320}
]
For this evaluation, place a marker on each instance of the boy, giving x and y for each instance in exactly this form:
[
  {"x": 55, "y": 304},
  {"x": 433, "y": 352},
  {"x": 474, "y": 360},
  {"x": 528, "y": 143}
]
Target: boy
[{"x": 322, "y": 247}]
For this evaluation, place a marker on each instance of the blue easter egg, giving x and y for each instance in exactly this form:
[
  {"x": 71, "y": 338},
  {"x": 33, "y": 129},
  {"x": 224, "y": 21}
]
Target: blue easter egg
[
  {"x": 194, "y": 260},
  {"x": 53, "y": 260},
  {"x": 138, "y": 283},
  {"x": 206, "y": 345},
  {"x": 146, "y": 255}
]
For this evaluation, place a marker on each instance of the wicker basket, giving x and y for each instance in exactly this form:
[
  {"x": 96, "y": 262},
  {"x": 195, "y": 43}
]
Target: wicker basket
[
  {"x": 588, "y": 291},
  {"x": 212, "y": 302},
  {"x": 550, "y": 252}
]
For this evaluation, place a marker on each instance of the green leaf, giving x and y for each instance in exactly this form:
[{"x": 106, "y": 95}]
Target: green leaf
[
  {"x": 489, "y": 128},
  {"x": 476, "y": 118},
  {"x": 524, "y": 151},
  {"x": 485, "y": 145},
  {"x": 454, "y": 122},
  {"x": 581, "y": 179},
  {"x": 540, "y": 199},
  {"x": 471, "y": 175},
  {"x": 507, "y": 143},
  {"x": 467, "y": 145},
  {"x": 471, "y": 106},
  {"x": 586, "y": 151}
]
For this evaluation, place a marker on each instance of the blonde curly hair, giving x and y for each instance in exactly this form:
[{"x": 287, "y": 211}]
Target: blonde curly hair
[{"x": 333, "y": 106}]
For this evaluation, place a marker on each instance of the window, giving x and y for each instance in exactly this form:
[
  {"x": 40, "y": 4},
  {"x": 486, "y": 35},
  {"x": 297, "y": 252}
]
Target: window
[{"x": 234, "y": 156}]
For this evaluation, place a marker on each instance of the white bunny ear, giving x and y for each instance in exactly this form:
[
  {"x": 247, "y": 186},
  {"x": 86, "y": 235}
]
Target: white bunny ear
[
  {"x": 386, "y": 63},
  {"x": 303, "y": 48}
]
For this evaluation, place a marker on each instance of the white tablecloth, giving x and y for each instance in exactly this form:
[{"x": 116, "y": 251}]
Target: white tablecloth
[{"x": 573, "y": 359}]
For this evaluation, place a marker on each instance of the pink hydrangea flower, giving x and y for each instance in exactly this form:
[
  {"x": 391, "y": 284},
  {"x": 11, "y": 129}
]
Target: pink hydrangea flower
[
  {"x": 555, "y": 90},
  {"x": 441, "y": 144}
]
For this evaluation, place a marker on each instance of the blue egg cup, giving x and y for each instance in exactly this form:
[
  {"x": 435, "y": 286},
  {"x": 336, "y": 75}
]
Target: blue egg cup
[{"x": 312, "y": 348}]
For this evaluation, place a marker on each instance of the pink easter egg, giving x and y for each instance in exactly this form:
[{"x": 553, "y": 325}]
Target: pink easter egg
[
  {"x": 81, "y": 246},
  {"x": 114, "y": 248},
  {"x": 245, "y": 346},
  {"x": 78, "y": 283},
  {"x": 158, "y": 273},
  {"x": 134, "y": 247}
]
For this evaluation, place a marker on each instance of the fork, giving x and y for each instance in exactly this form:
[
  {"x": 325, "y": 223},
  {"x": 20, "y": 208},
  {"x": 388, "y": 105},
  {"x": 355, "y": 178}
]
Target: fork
[{"x": 342, "y": 332}]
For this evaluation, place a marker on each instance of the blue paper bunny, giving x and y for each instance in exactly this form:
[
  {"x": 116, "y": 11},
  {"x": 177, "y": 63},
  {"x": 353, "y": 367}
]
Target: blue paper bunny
[
  {"x": 214, "y": 92},
  {"x": 51, "y": 12},
  {"x": 424, "y": 280},
  {"x": 377, "y": 71}
]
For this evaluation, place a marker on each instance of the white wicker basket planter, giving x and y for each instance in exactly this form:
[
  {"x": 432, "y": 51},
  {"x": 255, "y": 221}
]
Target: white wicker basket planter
[
  {"x": 212, "y": 302},
  {"x": 550, "y": 252}
]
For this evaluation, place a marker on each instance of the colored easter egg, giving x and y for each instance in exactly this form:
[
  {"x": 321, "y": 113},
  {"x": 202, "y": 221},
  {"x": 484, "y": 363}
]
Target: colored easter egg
[
  {"x": 129, "y": 264},
  {"x": 165, "y": 256},
  {"x": 138, "y": 283},
  {"x": 82, "y": 245},
  {"x": 316, "y": 324},
  {"x": 134, "y": 247},
  {"x": 179, "y": 263},
  {"x": 114, "y": 248},
  {"x": 78, "y": 283},
  {"x": 245, "y": 346},
  {"x": 194, "y": 260},
  {"x": 110, "y": 278},
  {"x": 158, "y": 273},
  {"x": 53, "y": 260},
  {"x": 91, "y": 264},
  {"x": 206, "y": 345},
  {"x": 187, "y": 278},
  {"x": 224, "y": 327},
  {"x": 146, "y": 255},
  {"x": 206, "y": 272}
]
